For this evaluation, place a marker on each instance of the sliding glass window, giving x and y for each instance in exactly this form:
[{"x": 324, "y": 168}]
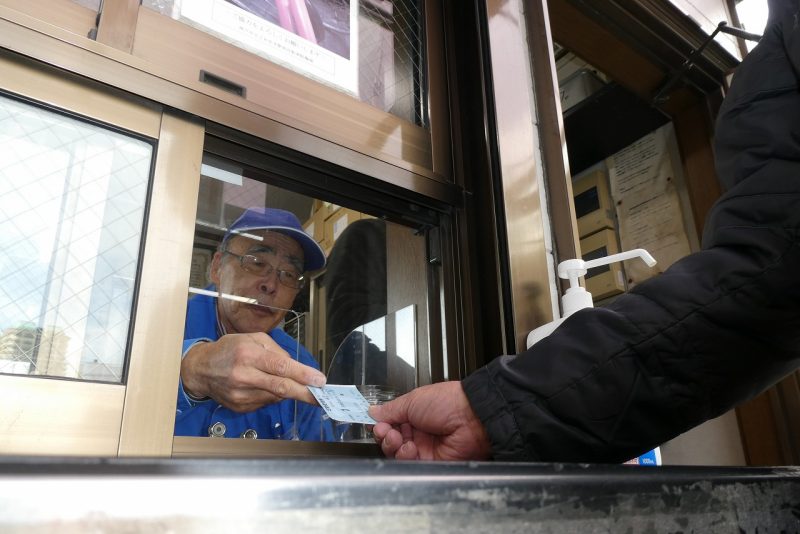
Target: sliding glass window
[
  {"x": 339, "y": 289},
  {"x": 72, "y": 197}
]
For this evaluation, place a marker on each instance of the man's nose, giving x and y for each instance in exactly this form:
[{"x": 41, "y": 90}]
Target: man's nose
[{"x": 268, "y": 282}]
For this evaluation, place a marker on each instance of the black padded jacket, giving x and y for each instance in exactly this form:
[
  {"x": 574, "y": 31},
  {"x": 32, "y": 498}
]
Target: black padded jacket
[{"x": 715, "y": 329}]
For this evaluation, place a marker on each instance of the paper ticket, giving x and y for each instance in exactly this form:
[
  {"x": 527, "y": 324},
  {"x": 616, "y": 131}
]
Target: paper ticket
[{"x": 343, "y": 403}]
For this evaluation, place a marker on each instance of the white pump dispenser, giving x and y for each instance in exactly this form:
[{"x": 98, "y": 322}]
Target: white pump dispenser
[{"x": 576, "y": 297}]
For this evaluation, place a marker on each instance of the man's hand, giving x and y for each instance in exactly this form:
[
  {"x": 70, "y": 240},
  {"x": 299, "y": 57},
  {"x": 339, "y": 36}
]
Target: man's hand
[
  {"x": 244, "y": 372},
  {"x": 433, "y": 422}
]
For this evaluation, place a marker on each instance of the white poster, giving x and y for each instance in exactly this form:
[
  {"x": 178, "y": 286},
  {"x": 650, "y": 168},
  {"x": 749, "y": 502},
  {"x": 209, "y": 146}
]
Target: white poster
[
  {"x": 313, "y": 38},
  {"x": 643, "y": 185}
]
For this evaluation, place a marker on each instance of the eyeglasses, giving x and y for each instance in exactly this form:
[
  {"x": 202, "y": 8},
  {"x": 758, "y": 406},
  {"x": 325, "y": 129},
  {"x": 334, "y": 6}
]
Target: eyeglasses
[{"x": 260, "y": 265}]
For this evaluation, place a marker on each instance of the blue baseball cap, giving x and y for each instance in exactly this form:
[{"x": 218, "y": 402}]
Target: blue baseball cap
[{"x": 283, "y": 222}]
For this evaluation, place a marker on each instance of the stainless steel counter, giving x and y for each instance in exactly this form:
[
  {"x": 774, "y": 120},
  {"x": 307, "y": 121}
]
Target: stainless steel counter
[{"x": 131, "y": 496}]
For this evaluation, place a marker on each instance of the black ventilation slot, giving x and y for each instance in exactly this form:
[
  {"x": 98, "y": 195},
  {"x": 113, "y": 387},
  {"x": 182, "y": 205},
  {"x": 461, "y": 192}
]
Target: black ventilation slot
[{"x": 222, "y": 83}]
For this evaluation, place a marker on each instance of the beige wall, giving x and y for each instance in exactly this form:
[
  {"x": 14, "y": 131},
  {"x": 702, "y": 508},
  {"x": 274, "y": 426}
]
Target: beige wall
[{"x": 715, "y": 442}]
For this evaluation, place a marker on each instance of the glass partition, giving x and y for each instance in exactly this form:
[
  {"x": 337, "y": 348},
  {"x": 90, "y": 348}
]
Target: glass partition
[
  {"x": 72, "y": 197},
  {"x": 379, "y": 356},
  {"x": 371, "y": 49},
  {"x": 380, "y": 359}
]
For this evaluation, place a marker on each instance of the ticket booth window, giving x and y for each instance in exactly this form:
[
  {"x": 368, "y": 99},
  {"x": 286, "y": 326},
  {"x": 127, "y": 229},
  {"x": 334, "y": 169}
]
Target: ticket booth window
[
  {"x": 72, "y": 198},
  {"x": 353, "y": 306}
]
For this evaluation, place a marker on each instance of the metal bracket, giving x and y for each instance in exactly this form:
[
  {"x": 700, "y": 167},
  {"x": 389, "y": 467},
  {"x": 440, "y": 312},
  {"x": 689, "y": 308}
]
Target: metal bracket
[{"x": 662, "y": 96}]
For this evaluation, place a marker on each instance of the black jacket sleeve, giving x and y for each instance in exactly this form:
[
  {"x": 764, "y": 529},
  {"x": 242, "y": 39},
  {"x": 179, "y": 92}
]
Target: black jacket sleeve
[{"x": 713, "y": 330}]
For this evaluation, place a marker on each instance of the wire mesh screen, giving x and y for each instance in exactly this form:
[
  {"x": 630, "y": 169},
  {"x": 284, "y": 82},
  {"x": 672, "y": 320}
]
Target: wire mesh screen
[
  {"x": 72, "y": 199},
  {"x": 373, "y": 50},
  {"x": 390, "y": 66}
]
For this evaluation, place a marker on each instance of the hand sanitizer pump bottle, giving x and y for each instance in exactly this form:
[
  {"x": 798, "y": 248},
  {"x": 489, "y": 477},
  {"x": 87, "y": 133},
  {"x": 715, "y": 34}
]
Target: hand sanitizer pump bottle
[{"x": 576, "y": 298}]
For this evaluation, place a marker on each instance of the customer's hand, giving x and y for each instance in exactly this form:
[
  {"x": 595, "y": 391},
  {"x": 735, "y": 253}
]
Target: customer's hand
[{"x": 433, "y": 422}]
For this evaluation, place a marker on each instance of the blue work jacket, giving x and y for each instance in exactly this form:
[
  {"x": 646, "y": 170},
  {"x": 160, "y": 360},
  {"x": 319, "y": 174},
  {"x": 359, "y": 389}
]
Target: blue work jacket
[{"x": 273, "y": 421}]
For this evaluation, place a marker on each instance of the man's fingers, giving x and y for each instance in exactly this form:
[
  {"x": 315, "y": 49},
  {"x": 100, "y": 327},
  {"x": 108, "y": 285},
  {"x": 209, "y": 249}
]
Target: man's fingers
[
  {"x": 286, "y": 367},
  {"x": 277, "y": 362},
  {"x": 282, "y": 387},
  {"x": 392, "y": 412},
  {"x": 396, "y": 444},
  {"x": 391, "y": 442},
  {"x": 380, "y": 430},
  {"x": 408, "y": 451},
  {"x": 407, "y": 431}
]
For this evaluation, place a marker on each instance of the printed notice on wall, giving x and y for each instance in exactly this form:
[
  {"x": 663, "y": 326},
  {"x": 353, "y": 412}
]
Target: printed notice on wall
[
  {"x": 643, "y": 187},
  {"x": 314, "y": 39}
]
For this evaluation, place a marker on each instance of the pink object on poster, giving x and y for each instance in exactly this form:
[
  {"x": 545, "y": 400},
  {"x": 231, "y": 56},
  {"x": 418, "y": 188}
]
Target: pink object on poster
[
  {"x": 301, "y": 20},
  {"x": 285, "y": 14},
  {"x": 293, "y": 16}
]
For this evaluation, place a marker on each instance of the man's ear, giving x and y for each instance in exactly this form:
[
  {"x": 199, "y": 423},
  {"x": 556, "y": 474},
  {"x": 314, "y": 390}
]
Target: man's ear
[{"x": 213, "y": 270}]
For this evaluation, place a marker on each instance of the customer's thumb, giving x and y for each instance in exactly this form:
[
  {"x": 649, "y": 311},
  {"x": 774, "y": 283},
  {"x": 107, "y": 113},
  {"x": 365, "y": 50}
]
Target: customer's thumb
[{"x": 392, "y": 412}]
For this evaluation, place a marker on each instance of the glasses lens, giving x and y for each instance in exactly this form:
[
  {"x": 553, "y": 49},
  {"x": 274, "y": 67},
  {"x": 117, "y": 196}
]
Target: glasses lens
[
  {"x": 256, "y": 265},
  {"x": 292, "y": 279},
  {"x": 261, "y": 266}
]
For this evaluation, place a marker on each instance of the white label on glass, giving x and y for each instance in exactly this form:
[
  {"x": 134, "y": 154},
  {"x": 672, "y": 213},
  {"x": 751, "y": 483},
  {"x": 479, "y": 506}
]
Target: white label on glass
[{"x": 220, "y": 174}]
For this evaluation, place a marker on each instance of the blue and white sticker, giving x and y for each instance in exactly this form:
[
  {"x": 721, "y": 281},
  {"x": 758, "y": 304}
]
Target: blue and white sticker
[{"x": 343, "y": 403}]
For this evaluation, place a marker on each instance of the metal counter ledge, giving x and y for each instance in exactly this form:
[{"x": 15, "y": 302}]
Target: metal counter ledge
[{"x": 44, "y": 495}]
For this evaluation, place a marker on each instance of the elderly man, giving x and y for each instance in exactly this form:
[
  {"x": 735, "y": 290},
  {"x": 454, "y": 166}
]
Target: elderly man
[{"x": 241, "y": 375}]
